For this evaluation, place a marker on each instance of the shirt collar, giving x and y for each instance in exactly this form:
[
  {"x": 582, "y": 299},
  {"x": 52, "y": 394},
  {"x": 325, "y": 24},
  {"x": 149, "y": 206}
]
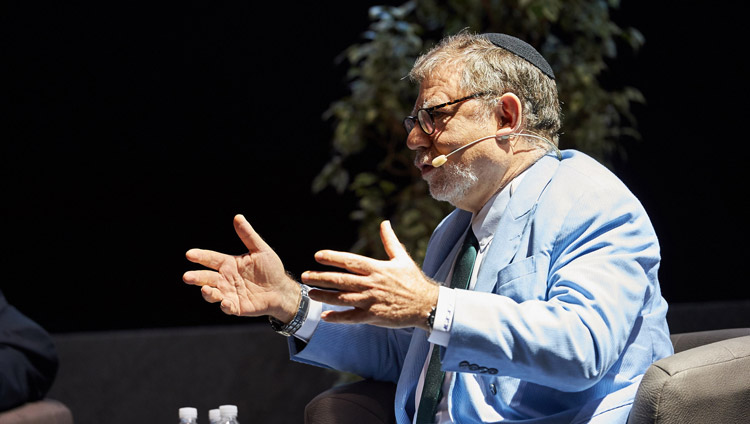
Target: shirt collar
[{"x": 484, "y": 222}]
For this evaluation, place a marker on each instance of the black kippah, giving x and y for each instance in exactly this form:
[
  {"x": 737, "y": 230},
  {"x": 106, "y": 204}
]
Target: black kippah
[{"x": 523, "y": 50}]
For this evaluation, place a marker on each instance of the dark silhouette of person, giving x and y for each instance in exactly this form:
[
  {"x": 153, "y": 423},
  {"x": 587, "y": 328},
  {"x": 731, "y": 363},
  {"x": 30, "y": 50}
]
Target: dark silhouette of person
[{"x": 28, "y": 358}]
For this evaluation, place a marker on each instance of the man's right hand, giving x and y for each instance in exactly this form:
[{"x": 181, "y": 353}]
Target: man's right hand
[{"x": 252, "y": 284}]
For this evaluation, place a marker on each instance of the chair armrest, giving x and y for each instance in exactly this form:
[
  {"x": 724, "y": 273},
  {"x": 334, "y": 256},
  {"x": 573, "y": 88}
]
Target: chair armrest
[
  {"x": 706, "y": 384},
  {"x": 46, "y": 411}
]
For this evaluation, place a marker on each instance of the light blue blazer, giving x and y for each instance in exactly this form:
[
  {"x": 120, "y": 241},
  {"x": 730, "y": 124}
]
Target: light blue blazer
[{"x": 565, "y": 318}]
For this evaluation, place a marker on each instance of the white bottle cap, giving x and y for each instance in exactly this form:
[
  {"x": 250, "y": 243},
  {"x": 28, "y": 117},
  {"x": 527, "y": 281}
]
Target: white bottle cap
[
  {"x": 214, "y": 415},
  {"x": 228, "y": 410},
  {"x": 188, "y": 413}
]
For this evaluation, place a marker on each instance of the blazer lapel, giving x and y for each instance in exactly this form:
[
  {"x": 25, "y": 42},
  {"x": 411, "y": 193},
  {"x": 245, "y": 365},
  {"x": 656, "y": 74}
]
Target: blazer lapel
[
  {"x": 514, "y": 221},
  {"x": 436, "y": 267},
  {"x": 442, "y": 242}
]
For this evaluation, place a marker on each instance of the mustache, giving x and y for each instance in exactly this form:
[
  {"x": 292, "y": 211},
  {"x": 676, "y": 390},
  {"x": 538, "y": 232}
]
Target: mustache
[{"x": 422, "y": 158}]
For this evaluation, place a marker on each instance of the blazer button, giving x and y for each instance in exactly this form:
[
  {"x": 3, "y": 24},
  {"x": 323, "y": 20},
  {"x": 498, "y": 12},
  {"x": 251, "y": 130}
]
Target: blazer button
[
  {"x": 493, "y": 389},
  {"x": 492, "y": 370},
  {"x": 463, "y": 364}
]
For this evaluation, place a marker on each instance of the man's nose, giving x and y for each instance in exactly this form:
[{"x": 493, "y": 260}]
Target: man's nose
[{"x": 417, "y": 138}]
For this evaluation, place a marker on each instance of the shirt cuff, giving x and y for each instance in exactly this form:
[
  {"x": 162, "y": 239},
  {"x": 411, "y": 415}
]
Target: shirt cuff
[
  {"x": 311, "y": 322},
  {"x": 441, "y": 328}
]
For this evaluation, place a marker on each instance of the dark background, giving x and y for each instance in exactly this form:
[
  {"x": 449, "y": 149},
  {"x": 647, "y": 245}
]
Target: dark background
[{"x": 133, "y": 132}]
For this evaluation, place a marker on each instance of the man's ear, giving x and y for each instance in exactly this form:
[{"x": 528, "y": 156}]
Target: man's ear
[{"x": 510, "y": 116}]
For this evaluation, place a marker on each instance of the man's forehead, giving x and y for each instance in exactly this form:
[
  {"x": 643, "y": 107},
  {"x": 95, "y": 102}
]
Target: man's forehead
[{"x": 438, "y": 87}]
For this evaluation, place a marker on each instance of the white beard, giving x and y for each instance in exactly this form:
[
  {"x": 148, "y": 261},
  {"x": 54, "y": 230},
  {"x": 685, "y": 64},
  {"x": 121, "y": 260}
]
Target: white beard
[{"x": 451, "y": 182}]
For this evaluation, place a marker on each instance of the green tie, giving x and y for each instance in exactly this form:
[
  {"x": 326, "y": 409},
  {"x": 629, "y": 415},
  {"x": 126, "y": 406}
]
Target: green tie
[{"x": 433, "y": 381}]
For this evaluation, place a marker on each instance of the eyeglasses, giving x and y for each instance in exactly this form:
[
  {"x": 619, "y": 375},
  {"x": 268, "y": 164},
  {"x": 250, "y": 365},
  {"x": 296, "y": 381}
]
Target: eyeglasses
[{"x": 425, "y": 118}]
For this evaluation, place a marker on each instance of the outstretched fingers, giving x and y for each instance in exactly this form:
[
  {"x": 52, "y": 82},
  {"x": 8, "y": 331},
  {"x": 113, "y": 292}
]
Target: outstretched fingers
[
  {"x": 229, "y": 307},
  {"x": 350, "y": 316},
  {"x": 202, "y": 278},
  {"x": 341, "y": 298},
  {"x": 351, "y": 262},
  {"x": 207, "y": 258},
  {"x": 247, "y": 234},
  {"x": 213, "y": 295},
  {"x": 392, "y": 245},
  {"x": 333, "y": 280}
]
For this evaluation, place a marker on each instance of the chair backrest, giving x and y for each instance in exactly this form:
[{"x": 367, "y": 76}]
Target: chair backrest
[
  {"x": 145, "y": 376},
  {"x": 685, "y": 341}
]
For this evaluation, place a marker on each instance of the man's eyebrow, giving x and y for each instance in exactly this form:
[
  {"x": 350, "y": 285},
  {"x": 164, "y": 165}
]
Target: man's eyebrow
[
  {"x": 431, "y": 102},
  {"x": 434, "y": 101},
  {"x": 424, "y": 106}
]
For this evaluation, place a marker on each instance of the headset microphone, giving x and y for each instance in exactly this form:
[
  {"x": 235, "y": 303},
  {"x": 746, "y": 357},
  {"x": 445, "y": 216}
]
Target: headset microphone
[{"x": 440, "y": 160}]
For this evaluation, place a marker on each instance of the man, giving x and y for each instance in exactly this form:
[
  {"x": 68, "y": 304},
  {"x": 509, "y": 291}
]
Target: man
[
  {"x": 28, "y": 359},
  {"x": 538, "y": 300}
]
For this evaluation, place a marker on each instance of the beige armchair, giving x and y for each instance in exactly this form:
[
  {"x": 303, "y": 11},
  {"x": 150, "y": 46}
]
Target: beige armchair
[{"x": 707, "y": 380}]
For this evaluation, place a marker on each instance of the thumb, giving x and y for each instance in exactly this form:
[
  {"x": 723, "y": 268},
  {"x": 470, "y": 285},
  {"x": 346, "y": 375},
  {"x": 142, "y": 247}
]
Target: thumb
[
  {"x": 392, "y": 246},
  {"x": 249, "y": 237}
]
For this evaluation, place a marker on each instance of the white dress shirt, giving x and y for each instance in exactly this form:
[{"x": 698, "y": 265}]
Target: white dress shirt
[{"x": 483, "y": 224}]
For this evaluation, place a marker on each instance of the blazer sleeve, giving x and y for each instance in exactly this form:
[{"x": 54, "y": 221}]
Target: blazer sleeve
[
  {"x": 28, "y": 359},
  {"x": 365, "y": 350}
]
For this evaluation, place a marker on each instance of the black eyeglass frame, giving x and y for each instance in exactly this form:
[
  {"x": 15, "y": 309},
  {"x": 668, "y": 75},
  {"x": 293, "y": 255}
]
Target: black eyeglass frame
[{"x": 426, "y": 113}]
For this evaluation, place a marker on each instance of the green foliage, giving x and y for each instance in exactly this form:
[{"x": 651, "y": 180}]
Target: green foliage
[{"x": 577, "y": 37}]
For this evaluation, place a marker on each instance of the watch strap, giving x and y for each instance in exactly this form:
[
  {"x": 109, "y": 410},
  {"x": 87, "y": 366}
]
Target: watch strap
[
  {"x": 299, "y": 318},
  {"x": 431, "y": 318}
]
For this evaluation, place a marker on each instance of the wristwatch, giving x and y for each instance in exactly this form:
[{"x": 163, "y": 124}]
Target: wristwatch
[
  {"x": 431, "y": 318},
  {"x": 299, "y": 318}
]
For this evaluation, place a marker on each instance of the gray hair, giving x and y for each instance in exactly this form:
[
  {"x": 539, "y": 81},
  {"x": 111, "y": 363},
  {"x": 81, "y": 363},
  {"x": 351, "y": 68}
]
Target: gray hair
[{"x": 488, "y": 68}]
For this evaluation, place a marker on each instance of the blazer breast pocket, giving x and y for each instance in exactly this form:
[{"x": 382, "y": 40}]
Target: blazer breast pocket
[{"x": 525, "y": 279}]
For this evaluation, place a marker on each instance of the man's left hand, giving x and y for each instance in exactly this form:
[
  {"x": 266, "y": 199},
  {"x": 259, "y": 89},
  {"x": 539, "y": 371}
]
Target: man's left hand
[{"x": 393, "y": 293}]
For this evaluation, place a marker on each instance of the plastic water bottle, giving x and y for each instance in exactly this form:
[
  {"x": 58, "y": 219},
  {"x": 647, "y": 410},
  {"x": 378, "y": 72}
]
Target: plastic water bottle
[
  {"x": 188, "y": 416},
  {"x": 228, "y": 414},
  {"x": 214, "y": 416}
]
